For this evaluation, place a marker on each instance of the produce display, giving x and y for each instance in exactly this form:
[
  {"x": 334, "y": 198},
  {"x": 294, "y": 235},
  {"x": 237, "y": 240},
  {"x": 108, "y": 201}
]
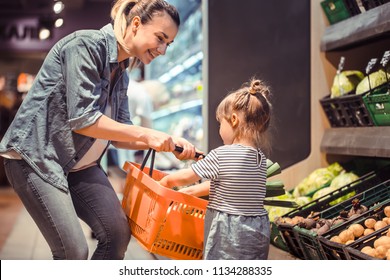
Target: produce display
[
  {"x": 366, "y": 228},
  {"x": 345, "y": 82},
  {"x": 320, "y": 226},
  {"x": 373, "y": 80}
]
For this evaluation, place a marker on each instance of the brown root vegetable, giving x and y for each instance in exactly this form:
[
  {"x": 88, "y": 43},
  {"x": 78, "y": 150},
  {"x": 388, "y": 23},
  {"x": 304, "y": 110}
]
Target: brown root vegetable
[
  {"x": 382, "y": 241},
  {"x": 323, "y": 229},
  {"x": 388, "y": 255},
  {"x": 368, "y": 231},
  {"x": 346, "y": 235},
  {"x": 380, "y": 252},
  {"x": 349, "y": 242},
  {"x": 357, "y": 229},
  {"x": 336, "y": 239},
  {"x": 307, "y": 223},
  {"x": 386, "y": 220},
  {"x": 379, "y": 224},
  {"x": 368, "y": 251},
  {"x": 370, "y": 223},
  {"x": 387, "y": 211},
  {"x": 388, "y": 233}
]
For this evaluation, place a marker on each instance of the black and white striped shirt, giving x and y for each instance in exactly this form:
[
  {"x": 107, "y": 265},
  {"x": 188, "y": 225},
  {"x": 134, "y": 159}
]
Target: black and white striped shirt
[{"x": 238, "y": 175}]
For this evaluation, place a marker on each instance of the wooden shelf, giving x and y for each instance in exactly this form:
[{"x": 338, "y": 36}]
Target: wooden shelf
[
  {"x": 357, "y": 141},
  {"x": 358, "y": 29}
]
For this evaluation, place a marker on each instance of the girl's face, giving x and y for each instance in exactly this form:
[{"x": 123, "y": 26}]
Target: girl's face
[
  {"x": 148, "y": 41},
  {"x": 226, "y": 132}
]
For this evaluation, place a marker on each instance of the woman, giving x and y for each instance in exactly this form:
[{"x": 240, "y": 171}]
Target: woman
[{"x": 76, "y": 107}]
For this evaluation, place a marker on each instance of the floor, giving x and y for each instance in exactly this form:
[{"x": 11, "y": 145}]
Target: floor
[{"x": 20, "y": 238}]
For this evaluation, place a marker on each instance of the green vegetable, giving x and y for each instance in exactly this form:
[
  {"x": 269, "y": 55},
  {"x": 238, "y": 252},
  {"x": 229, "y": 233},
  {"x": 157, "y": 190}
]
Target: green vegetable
[
  {"x": 343, "y": 179},
  {"x": 371, "y": 81},
  {"x": 345, "y": 82},
  {"x": 319, "y": 178}
]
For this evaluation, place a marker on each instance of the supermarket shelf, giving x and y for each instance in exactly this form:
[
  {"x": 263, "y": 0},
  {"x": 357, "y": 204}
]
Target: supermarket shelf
[
  {"x": 357, "y": 141},
  {"x": 357, "y": 29}
]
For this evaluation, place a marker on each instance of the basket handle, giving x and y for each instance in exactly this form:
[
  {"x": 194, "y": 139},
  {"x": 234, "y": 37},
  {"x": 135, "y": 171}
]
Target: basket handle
[{"x": 153, "y": 152}]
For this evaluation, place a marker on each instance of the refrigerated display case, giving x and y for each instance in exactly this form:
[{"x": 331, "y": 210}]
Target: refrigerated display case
[{"x": 179, "y": 71}]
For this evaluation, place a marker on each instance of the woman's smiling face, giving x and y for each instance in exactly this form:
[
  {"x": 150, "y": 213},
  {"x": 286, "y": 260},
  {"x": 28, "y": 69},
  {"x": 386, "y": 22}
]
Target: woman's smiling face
[{"x": 147, "y": 41}]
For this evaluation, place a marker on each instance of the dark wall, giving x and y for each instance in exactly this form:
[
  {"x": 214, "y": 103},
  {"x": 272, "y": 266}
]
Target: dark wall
[{"x": 269, "y": 40}]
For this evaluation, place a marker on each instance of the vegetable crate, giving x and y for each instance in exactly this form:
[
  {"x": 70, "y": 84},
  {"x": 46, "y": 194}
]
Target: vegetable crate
[
  {"x": 354, "y": 248},
  {"x": 335, "y": 10},
  {"x": 164, "y": 221},
  {"x": 378, "y": 104},
  {"x": 346, "y": 111},
  {"x": 338, "y": 251},
  {"x": 291, "y": 236},
  {"x": 311, "y": 246}
]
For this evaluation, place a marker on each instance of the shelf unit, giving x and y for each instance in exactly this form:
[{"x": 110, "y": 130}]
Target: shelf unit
[{"x": 373, "y": 25}]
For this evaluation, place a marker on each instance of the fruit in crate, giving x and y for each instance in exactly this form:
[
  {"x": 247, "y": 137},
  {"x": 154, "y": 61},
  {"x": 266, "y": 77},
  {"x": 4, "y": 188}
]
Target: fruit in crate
[
  {"x": 373, "y": 80},
  {"x": 345, "y": 82}
]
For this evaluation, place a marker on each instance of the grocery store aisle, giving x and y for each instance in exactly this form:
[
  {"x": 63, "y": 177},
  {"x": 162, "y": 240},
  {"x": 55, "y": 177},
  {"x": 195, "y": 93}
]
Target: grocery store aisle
[{"x": 20, "y": 238}]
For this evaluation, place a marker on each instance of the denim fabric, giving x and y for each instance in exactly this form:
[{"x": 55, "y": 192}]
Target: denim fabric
[
  {"x": 71, "y": 91},
  {"x": 56, "y": 212},
  {"x": 234, "y": 237}
]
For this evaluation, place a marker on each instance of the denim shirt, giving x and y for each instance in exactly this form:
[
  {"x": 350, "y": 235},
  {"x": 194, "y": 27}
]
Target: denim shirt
[{"x": 70, "y": 92}]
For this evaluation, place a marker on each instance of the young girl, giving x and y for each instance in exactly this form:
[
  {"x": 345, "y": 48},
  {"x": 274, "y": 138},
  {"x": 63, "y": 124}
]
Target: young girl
[{"x": 236, "y": 223}]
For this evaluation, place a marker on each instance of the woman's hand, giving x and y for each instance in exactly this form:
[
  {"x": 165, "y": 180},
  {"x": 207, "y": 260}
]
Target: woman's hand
[{"x": 160, "y": 141}]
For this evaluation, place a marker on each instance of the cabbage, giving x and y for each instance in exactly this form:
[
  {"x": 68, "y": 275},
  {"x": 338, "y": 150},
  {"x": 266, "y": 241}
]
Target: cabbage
[
  {"x": 376, "y": 79},
  {"x": 317, "y": 179},
  {"x": 343, "y": 179},
  {"x": 323, "y": 192},
  {"x": 303, "y": 200},
  {"x": 345, "y": 82}
]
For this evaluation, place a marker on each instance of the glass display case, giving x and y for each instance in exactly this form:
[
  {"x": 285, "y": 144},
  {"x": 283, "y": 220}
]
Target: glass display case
[{"x": 178, "y": 75}]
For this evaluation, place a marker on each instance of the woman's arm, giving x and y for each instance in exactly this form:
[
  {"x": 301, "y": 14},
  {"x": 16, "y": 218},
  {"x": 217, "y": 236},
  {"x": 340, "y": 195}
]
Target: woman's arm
[{"x": 137, "y": 137}]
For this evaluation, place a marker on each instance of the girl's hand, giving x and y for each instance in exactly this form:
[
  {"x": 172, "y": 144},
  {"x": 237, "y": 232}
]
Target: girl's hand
[{"x": 188, "y": 152}]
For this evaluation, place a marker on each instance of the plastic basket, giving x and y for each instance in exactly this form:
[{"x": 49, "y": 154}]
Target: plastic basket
[
  {"x": 311, "y": 246},
  {"x": 337, "y": 251},
  {"x": 163, "y": 221},
  {"x": 354, "y": 249},
  {"x": 346, "y": 111},
  {"x": 335, "y": 10},
  {"x": 378, "y": 104},
  {"x": 291, "y": 236}
]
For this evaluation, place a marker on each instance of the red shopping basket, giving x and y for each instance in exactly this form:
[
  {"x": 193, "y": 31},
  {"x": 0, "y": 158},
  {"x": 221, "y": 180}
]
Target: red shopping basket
[{"x": 164, "y": 221}]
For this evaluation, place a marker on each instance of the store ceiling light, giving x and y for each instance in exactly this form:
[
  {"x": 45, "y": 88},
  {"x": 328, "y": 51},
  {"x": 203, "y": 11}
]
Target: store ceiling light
[
  {"x": 59, "y": 22},
  {"x": 44, "y": 33},
  {"x": 58, "y": 7}
]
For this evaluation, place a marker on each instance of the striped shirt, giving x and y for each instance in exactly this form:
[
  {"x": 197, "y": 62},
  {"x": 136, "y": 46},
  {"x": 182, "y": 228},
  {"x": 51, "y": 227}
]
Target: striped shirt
[{"x": 238, "y": 175}]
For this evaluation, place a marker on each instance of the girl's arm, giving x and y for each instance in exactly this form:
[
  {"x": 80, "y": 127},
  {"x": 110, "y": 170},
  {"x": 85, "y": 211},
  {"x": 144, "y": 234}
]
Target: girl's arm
[
  {"x": 202, "y": 189},
  {"x": 182, "y": 177}
]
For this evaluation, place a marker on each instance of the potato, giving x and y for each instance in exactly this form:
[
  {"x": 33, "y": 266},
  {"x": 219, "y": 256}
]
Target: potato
[
  {"x": 357, "y": 229},
  {"x": 388, "y": 233},
  {"x": 336, "y": 239},
  {"x": 380, "y": 252},
  {"x": 368, "y": 251},
  {"x": 386, "y": 220},
  {"x": 368, "y": 231},
  {"x": 379, "y": 225},
  {"x": 383, "y": 240},
  {"x": 349, "y": 242},
  {"x": 388, "y": 255},
  {"x": 369, "y": 223},
  {"x": 346, "y": 235},
  {"x": 387, "y": 211}
]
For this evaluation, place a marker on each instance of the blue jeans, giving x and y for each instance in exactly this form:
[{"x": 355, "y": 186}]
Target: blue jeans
[{"x": 91, "y": 198}]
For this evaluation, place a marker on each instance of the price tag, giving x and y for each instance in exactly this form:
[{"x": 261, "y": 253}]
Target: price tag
[
  {"x": 341, "y": 65},
  {"x": 385, "y": 59},
  {"x": 370, "y": 65}
]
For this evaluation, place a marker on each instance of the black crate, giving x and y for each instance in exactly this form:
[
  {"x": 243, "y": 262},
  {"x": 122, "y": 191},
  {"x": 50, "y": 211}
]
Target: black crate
[
  {"x": 308, "y": 240},
  {"x": 291, "y": 237},
  {"x": 336, "y": 251},
  {"x": 354, "y": 249},
  {"x": 346, "y": 111}
]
